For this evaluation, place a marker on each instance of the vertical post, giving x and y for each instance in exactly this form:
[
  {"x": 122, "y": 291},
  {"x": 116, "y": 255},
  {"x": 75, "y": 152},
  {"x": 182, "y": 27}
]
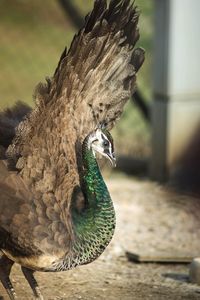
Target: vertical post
[{"x": 176, "y": 106}]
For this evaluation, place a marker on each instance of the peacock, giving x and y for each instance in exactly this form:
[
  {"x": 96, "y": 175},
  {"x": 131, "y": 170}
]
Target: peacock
[{"x": 55, "y": 210}]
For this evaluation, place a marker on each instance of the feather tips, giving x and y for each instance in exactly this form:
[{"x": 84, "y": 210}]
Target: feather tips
[
  {"x": 93, "y": 80},
  {"x": 103, "y": 58}
]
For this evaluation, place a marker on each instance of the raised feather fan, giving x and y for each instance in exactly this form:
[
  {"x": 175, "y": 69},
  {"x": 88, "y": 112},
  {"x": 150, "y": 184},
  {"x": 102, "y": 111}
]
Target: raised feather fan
[
  {"x": 93, "y": 80},
  {"x": 55, "y": 210}
]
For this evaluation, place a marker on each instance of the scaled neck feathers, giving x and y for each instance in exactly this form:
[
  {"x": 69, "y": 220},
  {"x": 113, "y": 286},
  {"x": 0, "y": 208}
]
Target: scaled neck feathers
[{"x": 94, "y": 226}]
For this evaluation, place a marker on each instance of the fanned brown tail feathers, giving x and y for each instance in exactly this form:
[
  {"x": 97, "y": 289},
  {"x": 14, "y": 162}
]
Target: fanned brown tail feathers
[
  {"x": 92, "y": 82},
  {"x": 9, "y": 120}
]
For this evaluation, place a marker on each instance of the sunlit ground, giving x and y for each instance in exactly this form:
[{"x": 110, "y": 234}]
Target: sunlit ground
[{"x": 151, "y": 221}]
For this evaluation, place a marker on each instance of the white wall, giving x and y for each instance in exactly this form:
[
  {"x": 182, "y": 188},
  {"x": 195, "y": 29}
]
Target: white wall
[{"x": 176, "y": 107}]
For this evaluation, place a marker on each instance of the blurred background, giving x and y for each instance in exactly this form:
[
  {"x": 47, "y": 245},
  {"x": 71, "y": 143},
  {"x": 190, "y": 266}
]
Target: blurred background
[{"x": 149, "y": 138}]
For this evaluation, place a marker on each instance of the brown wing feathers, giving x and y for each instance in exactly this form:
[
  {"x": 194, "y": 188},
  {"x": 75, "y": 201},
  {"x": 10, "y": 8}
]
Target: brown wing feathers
[
  {"x": 90, "y": 86},
  {"x": 9, "y": 120},
  {"x": 93, "y": 80},
  {"x": 101, "y": 65}
]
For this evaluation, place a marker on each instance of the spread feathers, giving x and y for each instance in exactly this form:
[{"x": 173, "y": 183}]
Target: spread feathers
[
  {"x": 93, "y": 80},
  {"x": 91, "y": 84},
  {"x": 47, "y": 205}
]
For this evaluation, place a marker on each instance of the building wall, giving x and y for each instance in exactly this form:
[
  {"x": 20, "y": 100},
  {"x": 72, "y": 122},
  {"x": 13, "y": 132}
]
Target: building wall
[{"x": 176, "y": 107}]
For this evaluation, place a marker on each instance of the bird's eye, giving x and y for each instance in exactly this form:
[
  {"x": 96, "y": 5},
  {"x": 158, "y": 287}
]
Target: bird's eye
[{"x": 105, "y": 143}]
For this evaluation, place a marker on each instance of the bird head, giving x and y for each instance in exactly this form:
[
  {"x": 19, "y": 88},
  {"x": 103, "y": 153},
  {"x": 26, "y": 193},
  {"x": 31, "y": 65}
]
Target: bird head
[{"x": 101, "y": 141}]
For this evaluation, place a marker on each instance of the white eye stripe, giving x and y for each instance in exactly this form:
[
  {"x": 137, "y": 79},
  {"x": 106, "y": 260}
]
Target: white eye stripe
[
  {"x": 110, "y": 148},
  {"x": 101, "y": 141},
  {"x": 104, "y": 137}
]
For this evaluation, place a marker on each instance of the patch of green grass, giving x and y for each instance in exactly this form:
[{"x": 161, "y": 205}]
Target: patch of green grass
[{"x": 32, "y": 40}]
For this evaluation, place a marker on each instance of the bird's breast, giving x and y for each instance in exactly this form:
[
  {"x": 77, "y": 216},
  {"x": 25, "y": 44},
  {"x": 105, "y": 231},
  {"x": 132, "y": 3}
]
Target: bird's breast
[{"x": 43, "y": 262}]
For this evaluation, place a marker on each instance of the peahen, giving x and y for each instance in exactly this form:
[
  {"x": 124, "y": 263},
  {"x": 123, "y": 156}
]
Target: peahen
[{"x": 55, "y": 210}]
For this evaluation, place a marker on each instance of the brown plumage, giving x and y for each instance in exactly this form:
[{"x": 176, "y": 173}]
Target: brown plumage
[
  {"x": 40, "y": 168},
  {"x": 9, "y": 120}
]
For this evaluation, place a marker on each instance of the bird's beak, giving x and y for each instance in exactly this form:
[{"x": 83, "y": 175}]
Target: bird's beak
[{"x": 112, "y": 159}]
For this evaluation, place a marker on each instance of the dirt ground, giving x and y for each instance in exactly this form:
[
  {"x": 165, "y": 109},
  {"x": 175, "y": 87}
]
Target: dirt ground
[{"x": 150, "y": 220}]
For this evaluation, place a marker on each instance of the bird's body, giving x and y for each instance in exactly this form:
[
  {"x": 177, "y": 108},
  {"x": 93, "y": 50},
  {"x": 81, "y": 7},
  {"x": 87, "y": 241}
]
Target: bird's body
[
  {"x": 55, "y": 209},
  {"x": 45, "y": 234}
]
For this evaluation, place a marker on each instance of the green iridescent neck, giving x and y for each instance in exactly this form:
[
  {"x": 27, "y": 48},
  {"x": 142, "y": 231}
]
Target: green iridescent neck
[{"x": 93, "y": 227}]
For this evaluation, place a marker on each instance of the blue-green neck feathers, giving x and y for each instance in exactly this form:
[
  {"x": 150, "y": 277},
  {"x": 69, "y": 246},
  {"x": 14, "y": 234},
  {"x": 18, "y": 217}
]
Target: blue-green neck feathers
[{"x": 93, "y": 227}]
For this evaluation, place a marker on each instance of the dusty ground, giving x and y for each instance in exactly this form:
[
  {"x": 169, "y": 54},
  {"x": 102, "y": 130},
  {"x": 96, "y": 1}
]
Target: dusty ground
[{"x": 149, "y": 219}]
